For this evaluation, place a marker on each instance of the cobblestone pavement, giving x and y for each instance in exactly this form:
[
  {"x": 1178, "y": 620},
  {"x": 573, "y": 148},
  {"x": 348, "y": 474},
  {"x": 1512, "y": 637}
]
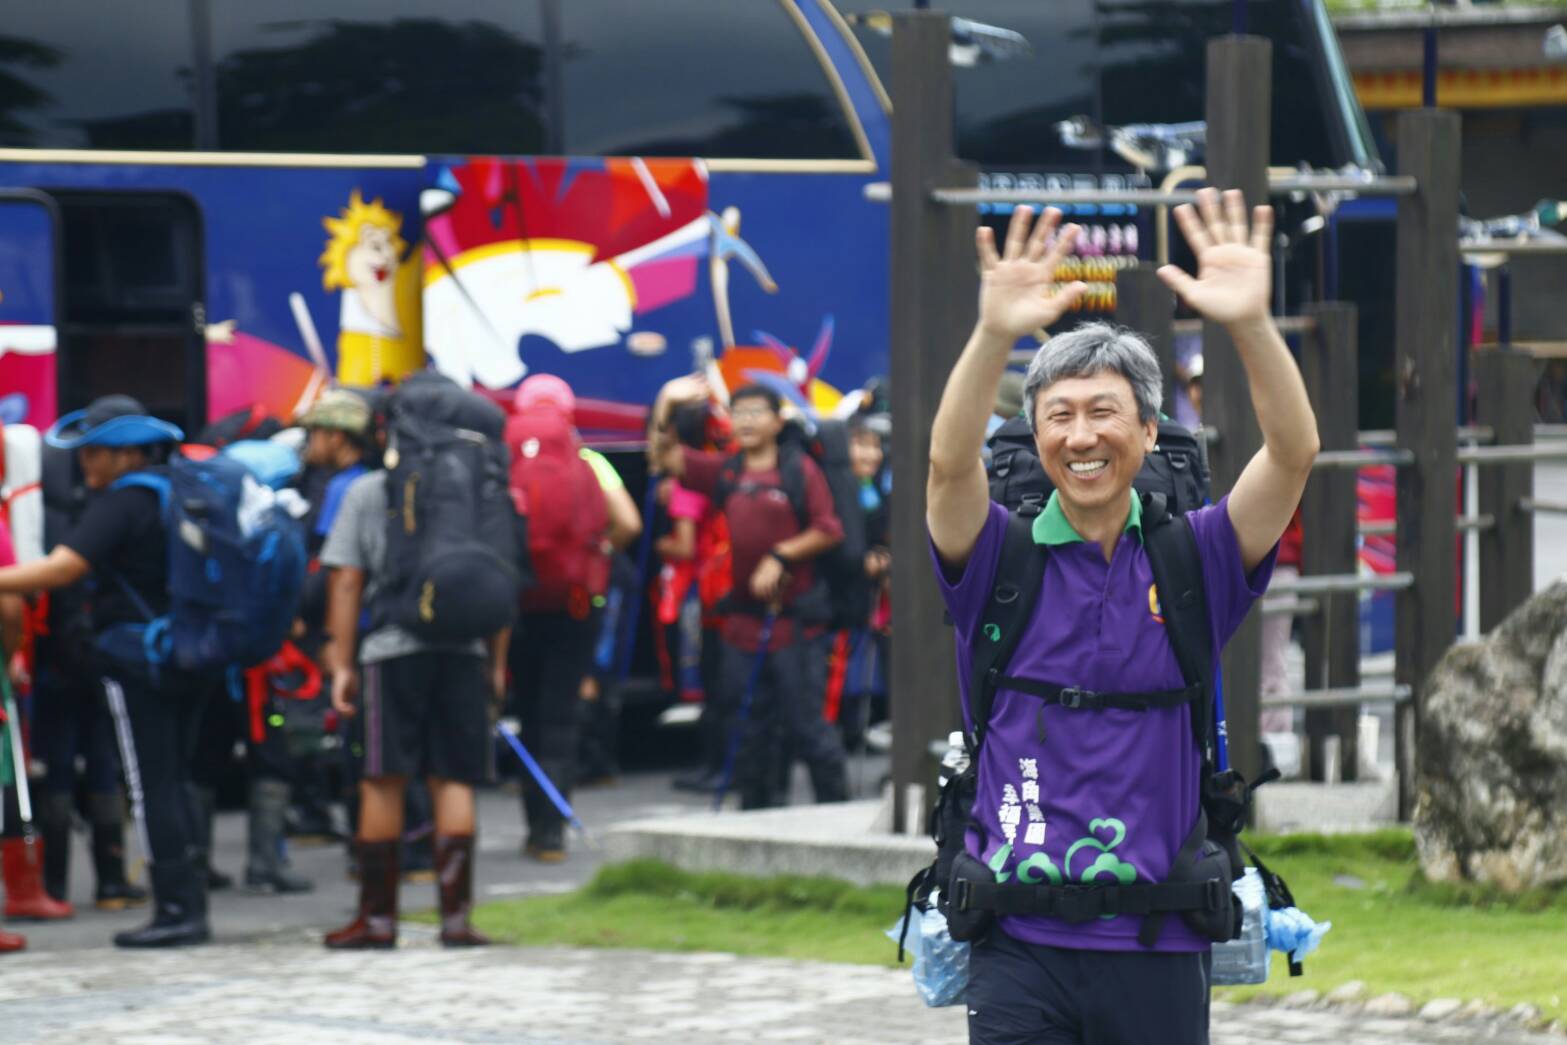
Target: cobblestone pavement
[{"x": 288, "y": 990}]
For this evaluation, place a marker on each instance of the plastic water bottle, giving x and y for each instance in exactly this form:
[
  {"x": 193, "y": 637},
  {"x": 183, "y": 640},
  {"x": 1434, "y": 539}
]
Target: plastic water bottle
[
  {"x": 1245, "y": 960},
  {"x": 955, "y": 761}
]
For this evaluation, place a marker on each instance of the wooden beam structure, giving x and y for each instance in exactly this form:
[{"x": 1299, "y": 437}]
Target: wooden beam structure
[
  {"x": 935, "y": 288},
  {"x": 1425, "y": 308},
  {"x": 1239, "y": 112},
  {"x": 1504, "y": 379},
  {"x": 1332, "y": 634}
]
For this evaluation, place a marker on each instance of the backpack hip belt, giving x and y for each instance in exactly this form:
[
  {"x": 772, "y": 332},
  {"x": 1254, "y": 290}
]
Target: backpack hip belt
[{"x": 1083, "y": 903}]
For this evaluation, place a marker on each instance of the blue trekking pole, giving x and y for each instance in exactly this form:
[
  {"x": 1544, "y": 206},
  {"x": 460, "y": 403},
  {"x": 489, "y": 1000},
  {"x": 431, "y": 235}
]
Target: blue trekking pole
[
  {"x": 545, "y": 783},
  {"x": 744, "y": 714}
]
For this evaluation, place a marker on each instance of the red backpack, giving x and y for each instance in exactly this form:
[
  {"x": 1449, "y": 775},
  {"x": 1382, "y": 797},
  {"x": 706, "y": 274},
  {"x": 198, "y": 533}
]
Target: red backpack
[{"x": 559, "y": 495}]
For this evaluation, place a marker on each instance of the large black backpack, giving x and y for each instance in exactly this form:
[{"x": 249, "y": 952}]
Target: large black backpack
[
  {"x": 1177, "y": 469},
  {"x": 845, "y": 593},
  {"x": 451, "y": 539},
  {"x": 1210, "y": 858}
]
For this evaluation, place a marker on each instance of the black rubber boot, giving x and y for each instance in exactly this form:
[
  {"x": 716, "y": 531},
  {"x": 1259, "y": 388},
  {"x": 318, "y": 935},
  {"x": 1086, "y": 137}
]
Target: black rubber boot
[
  {"x": 114, "y": 891},
  {"x": 179, "y": 916},
  {"x": 55, "y": 825},
  {"x": 265, "y": 872},
  {"x": 204, "y": 802}
]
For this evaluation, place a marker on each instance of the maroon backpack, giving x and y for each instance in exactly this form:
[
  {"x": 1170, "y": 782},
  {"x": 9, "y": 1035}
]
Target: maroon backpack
[{"x": 567, "y": 518}]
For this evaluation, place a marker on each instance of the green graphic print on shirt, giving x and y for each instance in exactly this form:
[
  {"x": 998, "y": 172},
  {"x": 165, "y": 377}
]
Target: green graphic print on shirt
[{"x": 1105, "y": 835}]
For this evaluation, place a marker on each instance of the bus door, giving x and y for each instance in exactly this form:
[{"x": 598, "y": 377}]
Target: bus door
[
  {"x": 133, "y": 314},
  {"x": 29, "y": 306}
]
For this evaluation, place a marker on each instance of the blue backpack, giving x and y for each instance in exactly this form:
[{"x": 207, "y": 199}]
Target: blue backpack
[{"x": 233, "y": 591}]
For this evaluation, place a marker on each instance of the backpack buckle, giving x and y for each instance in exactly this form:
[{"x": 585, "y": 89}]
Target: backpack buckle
[
  {"x": 1216, "y": 890},
  {"x": 960, "y": 893},
  {"x": 1073, "y": 697}
]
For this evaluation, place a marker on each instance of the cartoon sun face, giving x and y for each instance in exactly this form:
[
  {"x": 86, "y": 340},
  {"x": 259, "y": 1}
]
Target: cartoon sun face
[{"x": 366, "y": 246}]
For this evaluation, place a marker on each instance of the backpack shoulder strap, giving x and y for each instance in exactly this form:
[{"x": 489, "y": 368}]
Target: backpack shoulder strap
[
  {"x": 729, "y": 474},
  {"x": 1183, "y": 600},
  {"x": 1020, "y": 570},
  {"x": 791, "y": 476},
  {"x": 158, "y": 484}
]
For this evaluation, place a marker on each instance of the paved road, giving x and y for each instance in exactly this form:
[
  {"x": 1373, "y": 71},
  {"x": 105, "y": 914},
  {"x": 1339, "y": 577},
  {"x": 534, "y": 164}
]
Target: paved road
[{"x": 287, "y": 990}]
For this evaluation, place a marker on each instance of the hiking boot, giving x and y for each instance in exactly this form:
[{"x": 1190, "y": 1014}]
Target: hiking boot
[
  {"x": 21, "y": 865},
  {"x": 204, "y": 802},
  {"x": 54, "y": 826},
  {"x": 547, "y": 846},
  {"x": 375, "y": 927},
  {"x": 114, "y": 892},
  {"x": 266, "y": 871},
  {"x": 418, "y": 863},
  {"x": 454, "y": 877},
  {"x": 179, "y": 912}
]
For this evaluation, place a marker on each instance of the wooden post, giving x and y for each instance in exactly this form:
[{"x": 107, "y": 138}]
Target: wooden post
[
  {"x": 1425, "y": 308},
  {"x": 1332, "y": 634},
  {"x": 1505, "y": 380},
  {"x": 1239, "y": 109},
  {"x": 935, "y": 290},
  {"x": 1144, "y": 304}
]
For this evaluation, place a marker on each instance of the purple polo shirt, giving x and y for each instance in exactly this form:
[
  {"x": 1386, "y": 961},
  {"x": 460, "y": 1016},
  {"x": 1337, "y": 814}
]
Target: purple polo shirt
[{"x": 1102, "y": 796}]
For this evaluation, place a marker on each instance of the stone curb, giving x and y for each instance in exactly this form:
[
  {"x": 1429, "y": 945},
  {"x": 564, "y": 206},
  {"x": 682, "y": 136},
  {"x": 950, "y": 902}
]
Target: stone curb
[{"x": 1350, "y": 999}]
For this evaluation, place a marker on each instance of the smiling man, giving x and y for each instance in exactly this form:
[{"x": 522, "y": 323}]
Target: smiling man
[{"x": 1102, "y": 789}]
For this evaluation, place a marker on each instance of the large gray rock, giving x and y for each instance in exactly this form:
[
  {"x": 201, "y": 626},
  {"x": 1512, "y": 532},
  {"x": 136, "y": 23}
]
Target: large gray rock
[{"x": 1492, "y": 754}]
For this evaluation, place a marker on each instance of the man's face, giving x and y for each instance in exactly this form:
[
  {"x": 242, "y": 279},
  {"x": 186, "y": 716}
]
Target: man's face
[
  {"x": 1090, "y": 439},
  {"x": 322, "y": 447},
  {"x": 756, "y": 423},
  {"x": 865, "y": 454},
  {"x": 101, "y": 465}
]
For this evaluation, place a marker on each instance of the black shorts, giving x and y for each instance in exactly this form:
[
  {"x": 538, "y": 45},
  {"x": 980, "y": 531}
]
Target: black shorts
[
  {"x": 427, "y": 715},
  {"x": 1030, "y": 994}
]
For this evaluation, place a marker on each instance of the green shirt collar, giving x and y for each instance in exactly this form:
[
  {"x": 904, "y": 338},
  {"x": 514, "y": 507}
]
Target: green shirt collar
[{"x": 1051, "y": 526}]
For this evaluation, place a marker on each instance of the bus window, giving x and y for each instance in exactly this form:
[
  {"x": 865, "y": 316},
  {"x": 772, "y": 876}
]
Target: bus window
[
  {"x": 734, "y": 79},
  {"x": 379, "y": 76},
  {"x": 132, "y": 305},
  {"x": 1130, "y": 61},
  {"x": 82, "y": 74}
]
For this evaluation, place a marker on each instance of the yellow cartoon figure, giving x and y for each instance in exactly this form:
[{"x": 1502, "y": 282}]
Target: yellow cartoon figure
[{"x": 378, "y": 332}]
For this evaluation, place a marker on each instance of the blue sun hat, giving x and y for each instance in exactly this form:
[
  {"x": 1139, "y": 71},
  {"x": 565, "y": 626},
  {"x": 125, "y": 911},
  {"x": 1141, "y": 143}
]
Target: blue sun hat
[{"x": 113, "y": 421}]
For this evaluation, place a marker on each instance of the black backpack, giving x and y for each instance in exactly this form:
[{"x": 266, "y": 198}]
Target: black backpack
[
  {"x": 844, "y": 598},
  {"x": 1177, "y": 468},
  {"x": 451, "y": 539},
  {"x": 1209, "y": 860}
]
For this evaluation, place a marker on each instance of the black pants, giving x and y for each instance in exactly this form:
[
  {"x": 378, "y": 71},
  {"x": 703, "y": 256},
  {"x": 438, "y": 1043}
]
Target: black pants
[
  {"x": 779, "y": 718},
  {"x": 550, "y": 655},
  {"x": 70, "y": 719},
  {"x": 1029, "y": 994},
  {"x": 158, "y": 727}
]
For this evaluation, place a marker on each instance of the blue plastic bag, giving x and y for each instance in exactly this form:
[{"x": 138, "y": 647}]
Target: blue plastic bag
[{"x": 940, "y": 962}]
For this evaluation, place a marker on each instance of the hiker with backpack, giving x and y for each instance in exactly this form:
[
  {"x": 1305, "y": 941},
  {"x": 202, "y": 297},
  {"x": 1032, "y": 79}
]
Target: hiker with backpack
[
  {"x": 428, "y": 547},
  {"x": 71, "y": 716},
  {"x": 782, "y": 521},
  {"x": 1087, "y": 635},
  {"x": 122, "y": 540},
  {"x": 576, "y": 513}
]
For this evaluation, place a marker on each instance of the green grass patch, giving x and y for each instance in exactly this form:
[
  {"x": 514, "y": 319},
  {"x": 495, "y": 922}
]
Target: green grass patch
[
  {"x": 649, "y": 905},
  {"x": 1391, "y": 929},
  {"x": 1395, "y": 931}
]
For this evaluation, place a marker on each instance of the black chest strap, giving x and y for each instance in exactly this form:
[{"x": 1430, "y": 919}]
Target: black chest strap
[{"x": 1077, "y": 698}]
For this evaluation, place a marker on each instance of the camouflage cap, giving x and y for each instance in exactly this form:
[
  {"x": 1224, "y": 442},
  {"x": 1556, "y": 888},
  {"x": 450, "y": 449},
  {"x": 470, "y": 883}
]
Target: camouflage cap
[{"x": 338, "y": 409}]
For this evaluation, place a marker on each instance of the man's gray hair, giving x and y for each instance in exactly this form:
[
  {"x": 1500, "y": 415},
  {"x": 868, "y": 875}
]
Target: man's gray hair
[{"x": 1097, "y": 348}]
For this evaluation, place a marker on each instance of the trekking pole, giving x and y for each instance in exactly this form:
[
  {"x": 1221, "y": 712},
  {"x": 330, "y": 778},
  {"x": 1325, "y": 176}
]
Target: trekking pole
[
  {"x": 743, "y": 715},
  {"x": 546, "y": 785},
  {"x": 13, "y": 728}
]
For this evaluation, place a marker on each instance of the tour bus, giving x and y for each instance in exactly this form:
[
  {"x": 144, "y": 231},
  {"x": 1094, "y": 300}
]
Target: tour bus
[{"x": 219, "y": 206}]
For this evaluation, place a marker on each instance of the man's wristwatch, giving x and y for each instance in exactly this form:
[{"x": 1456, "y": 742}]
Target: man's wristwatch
[{"x": 776, "y": 554}]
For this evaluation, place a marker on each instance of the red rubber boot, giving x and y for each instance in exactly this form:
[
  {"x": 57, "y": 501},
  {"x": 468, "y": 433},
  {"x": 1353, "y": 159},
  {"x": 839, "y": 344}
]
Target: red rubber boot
[{"x": 21, "y": 865}]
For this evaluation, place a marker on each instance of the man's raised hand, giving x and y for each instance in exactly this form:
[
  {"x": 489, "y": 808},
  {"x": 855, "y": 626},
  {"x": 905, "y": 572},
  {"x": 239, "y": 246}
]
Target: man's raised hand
[
  {"x": 1018, "y": 292},
  {"x": 1234, "y": 270}
]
